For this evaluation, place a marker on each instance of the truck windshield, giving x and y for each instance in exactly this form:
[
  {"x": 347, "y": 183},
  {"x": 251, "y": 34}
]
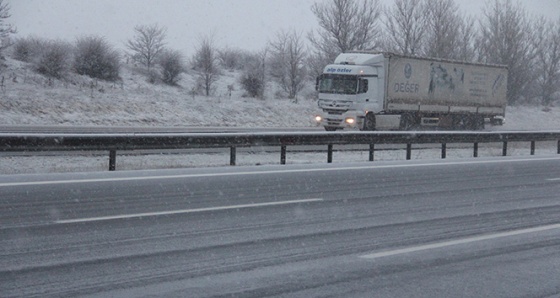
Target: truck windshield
[{"x": 343, "y": 84}]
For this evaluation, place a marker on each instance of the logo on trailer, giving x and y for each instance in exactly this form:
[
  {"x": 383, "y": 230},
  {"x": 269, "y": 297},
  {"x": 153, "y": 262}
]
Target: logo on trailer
[
  {"x": 407, "y": 87},
  {"x": 408, "y": 71}
]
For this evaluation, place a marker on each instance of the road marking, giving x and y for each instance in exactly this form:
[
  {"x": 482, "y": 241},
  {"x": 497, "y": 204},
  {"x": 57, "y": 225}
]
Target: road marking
[
  {"x": 457, "y": 242},
  {"x": 553, "y": 179},
  {"x": 184, "y": 211},
  {"x": 264, "y": 172}
]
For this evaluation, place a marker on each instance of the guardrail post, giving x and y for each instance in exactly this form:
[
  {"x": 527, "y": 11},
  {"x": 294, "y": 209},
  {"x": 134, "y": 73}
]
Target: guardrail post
[
  {"x": 232, "y": 156},
  {"x": 329, "y": 153},
  {"x": 532, "y": 147},
  {"x": 282, "y": 155},
  {"x": 408, "y": 151},
  {"x": 443, "y": 150},
  {"x": 475, "y": 153},
  {"x": 112, "y": 160},
  {"x": 504, "y": 149},
  {"x": 558, "y": 147},
  {"x": 371, "y": 150}
]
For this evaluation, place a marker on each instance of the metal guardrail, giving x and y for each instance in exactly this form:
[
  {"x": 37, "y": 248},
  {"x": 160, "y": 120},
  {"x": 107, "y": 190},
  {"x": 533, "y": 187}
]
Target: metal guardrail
[{"x": 129, "y": 142}]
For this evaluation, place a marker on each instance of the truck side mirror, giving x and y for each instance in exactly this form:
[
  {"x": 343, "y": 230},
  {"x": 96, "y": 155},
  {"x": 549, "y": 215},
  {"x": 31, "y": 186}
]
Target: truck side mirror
[{"x": 317, "y": 84}]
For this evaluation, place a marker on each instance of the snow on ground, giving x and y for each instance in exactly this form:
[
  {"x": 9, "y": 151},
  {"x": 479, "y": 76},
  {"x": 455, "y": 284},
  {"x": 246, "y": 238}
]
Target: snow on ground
[
  {"x": 531, "y": 118},
  {"x": 28, "y": 98},
  {"x": 100, "y": 161}
]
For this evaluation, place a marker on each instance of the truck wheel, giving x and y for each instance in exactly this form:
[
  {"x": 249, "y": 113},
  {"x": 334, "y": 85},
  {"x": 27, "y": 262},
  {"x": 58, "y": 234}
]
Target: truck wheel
[
  {"x": 457, "y": 122},
  {"x": 369, "y": 122},
  {"x": 464, "y": 122},
  {"x": 496, "y": 121},
  {"x": 474, "y": 122},
  {"x": 330, "y": 128},
  {"x": 470, "y": 122},
  {"x": 479, "y": 122},
  {"x": 407, "y": 121}
]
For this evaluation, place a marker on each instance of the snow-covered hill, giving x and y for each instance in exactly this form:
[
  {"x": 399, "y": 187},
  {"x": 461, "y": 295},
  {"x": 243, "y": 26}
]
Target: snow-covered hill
[{"x": 30, "y": 98}]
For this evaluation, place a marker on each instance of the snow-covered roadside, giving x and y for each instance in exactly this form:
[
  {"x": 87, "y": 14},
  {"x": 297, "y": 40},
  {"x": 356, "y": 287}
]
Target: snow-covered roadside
[
  {"x": 27, "y": 98},
  {"x": 83, "y": 163},
  {"x": 530, "y": 118}
]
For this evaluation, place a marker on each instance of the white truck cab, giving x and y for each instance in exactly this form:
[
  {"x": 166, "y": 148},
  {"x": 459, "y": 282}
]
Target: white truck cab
[{"x": 349, "y": 89}]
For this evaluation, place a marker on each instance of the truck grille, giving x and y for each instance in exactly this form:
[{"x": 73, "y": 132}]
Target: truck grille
[
  {"x": 334, "y": 104},
  {"x": 334, "y": 122},
  {"x": 334, "y": 112}
]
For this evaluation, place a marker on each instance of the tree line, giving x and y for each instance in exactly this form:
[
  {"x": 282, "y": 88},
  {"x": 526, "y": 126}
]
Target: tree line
[{"x": 504, "y": 33}]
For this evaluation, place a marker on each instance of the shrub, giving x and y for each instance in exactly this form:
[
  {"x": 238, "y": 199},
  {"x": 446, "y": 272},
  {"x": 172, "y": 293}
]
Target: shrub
[
  {"x": 54, "y": 59},
  {"x": 94, "y": 57},
  {"x": 230, "y": 59},
  {"x": 26, "y": 49},
  {"x": 205, "y": 62},
  {"x": 253, "y": 77},
  {"x": 172, "y": 65},
  {"x": 253, "y": 84}
]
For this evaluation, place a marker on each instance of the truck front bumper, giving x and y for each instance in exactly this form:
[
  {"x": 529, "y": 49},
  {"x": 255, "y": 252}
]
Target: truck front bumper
[{"x": 344, "y": 121}]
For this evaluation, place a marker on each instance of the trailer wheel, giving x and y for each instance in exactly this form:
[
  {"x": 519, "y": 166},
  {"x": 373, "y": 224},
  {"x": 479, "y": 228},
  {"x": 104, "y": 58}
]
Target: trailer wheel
[
  {"x": 479, "y": 122},
  {"x": 369, "y": 122},
  {"x": 463, "y": 122},
  {"x": 496, "y": 121},
  {"x": 470, "y": 122},
  {"x": 474, "y": 122},
  {"x": 407, "y": 121}
]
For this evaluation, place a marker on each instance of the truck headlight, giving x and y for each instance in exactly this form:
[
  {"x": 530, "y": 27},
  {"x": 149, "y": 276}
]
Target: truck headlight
[
  {"x": 318, "y": 118},
  {"x": 350, "y": 120}
]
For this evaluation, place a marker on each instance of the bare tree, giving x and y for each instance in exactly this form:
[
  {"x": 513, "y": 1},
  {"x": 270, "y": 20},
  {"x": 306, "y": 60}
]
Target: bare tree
[
  {"x": 405, "y": 24},
  {"x": 547, "y": 63},
  {"x": 345, "y": 25},
  {"x": 466, "y": 40},
  {"x": 443, "y": 28},
  {"x": 287, "y": 62},
  {"x": 172, "y": 66},
  {"x": 205, "y": 63},
  {"x": 147, "y": 44},
  {"x": 6, "y": 29},
  {"x": 316, "y": 62},
  {"x": 505, "y": 39}
]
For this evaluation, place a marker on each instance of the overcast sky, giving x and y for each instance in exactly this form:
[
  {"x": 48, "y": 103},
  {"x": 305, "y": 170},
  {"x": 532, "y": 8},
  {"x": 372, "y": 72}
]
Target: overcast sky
[{"x": 243, "y": 24}]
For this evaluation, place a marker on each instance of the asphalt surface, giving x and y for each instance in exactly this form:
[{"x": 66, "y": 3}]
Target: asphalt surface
[{"x": 456, "y": 228}]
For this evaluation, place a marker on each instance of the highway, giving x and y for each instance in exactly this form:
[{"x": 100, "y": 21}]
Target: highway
[
  {"x": 487, "y": 227},
  {"x": 141, "y": 129}
]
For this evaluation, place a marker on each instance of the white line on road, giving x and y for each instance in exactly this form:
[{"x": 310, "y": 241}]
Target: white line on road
[
  {"x": 264, "y": 172},
  {"x": 457, "y": 242},
  {"x": 553, "y": 179},
  {"x": 137, "y": 215}
]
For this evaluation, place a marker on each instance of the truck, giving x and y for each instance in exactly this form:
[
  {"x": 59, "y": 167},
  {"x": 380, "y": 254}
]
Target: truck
[{"x": 387, "y": 91}]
